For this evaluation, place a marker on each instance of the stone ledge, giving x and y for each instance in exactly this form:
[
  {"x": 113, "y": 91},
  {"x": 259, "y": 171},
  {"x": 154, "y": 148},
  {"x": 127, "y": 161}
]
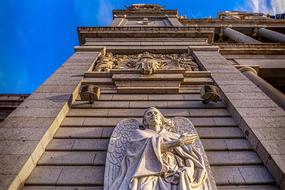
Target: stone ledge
[{"x": 202, "y": 48}]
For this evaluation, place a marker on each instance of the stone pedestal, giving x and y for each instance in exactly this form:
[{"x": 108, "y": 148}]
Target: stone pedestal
[
  {"x": 277, "y": 96},
  {"x": 239, "y": 37},
  {"x": 272, "y": 35}
]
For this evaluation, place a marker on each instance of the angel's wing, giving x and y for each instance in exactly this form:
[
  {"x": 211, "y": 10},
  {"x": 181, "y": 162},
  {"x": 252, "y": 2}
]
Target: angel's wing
[
  {"x": 117, "y": 149},
  {"x": 183, "y": 125}
]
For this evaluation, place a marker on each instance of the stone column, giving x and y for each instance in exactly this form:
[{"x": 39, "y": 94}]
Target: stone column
[
  {"x": 277, "y": 96},
  {"x": 272, "y": 35},
  {"x": 239, "y": 37}
]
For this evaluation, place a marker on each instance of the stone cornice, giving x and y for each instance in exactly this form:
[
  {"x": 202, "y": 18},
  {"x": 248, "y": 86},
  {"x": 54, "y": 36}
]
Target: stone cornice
[
  {"x": 122, "y": 13},
  {"x": 251, "y": 49},
  {"x": 144, "y": 32},
  {"x": 218, "y": 22}
]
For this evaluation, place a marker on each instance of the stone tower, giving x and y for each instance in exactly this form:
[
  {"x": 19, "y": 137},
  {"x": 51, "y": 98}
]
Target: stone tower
[{"x": 150, "y": 56}]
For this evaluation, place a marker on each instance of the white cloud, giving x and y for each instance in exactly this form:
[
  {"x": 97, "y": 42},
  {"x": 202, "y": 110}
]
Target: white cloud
[
  {"x": 278, "y": 6},
  {"x": 263, "y": 6}
]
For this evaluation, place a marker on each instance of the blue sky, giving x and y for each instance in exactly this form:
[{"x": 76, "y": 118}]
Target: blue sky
[{"x": 37, "y": 36}]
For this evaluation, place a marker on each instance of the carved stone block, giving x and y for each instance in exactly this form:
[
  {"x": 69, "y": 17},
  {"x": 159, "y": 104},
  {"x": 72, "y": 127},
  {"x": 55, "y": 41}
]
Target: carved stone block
[
  {"x": 89, "y": 93},
  {"x": 210, "y": 93}
]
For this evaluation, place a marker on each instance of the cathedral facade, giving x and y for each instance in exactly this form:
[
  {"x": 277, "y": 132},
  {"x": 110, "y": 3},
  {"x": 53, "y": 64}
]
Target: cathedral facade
[{"x": 226, "y": 75}]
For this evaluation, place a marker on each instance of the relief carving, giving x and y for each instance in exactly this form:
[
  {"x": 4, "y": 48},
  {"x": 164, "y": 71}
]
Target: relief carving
[
  {"x": 146, "y": 63},
  {"x": 163, "y": 154}
]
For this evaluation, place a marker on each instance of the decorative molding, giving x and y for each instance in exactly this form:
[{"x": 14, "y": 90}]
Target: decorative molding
[{"x": 145, "y": 32}]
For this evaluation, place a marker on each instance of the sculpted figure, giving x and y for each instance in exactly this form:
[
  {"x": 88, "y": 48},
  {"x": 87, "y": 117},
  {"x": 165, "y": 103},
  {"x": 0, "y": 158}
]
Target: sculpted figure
[
  {"x": 165, "y": 154},
  {"x": 147, "y": 64}
]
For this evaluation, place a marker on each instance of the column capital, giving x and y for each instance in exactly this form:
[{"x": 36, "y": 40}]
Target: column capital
[{"x": 246, "y": 68}]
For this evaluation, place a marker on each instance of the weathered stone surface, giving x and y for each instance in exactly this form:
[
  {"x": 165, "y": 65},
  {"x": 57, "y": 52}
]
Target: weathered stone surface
[
  {"x": 60, "y": 144},
  {"x": 274, "y": 146},
  {"x": 35, "y": 112},
  {"x": 261, "y": 112},
  {"x": 232, "y": 88},
  {"x": 55, "y": 89},
  {"x": 45, "y": 175},
  {"x": 249, "y": 187},
  {"x": 221, "y": 132},
  {"x": 17, "y": 147},
  {"x": 233, "y": 158},
  {"x": 227, "y": 175},
  {"x": 68, "y": 158},
  {"x": 249, "y": 174},
  {"x": 209, "y": 144},
  {"x": 253, "y": 103},
  {"x": 35, "y": 187},
  {"x": 81, "y": 175},
  {"x": 6, "y": 180},
  {"x": 22, "y": 134},
  {"x": 56, "y": 97},
  {"x": 264, "y": 122},
  {"x": 246, "y": 96},
  {"x": 43, "y": 104},
  {"x": 101, "y": 121},
  {"x": 265, "y": 134},
  {"x": 27, "y": 122},
  {"x": 139, "y": 112},
  {"x": 240, "y": 175},
  {"x": 91, "y": 132},
  {"x": 11, "y": 163},
  {"x": 72, "y": 132},
  {"x": 61, "y": 82}
]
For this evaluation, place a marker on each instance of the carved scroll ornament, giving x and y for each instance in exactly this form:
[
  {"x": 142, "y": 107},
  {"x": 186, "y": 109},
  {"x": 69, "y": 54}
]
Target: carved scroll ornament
[{"x": 166, "y": 154}]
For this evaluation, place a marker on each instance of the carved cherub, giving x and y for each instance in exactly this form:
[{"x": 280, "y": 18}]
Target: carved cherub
[{"x": 163, "y": 154}]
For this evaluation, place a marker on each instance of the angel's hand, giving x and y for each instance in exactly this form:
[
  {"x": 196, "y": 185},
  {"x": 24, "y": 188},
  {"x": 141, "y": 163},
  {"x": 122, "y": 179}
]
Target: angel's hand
[{"x": 187, "y": 138}]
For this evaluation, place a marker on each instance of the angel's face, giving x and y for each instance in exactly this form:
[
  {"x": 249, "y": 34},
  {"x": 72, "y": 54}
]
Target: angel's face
[{"x": 153, "y": 119}]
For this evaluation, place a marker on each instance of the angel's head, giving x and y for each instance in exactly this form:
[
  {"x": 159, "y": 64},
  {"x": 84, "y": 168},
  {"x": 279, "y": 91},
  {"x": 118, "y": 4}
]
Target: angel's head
[{"x": 154, "y": 120}]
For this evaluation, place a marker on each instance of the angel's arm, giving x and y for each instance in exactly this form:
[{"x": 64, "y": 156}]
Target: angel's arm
[
  {"x": 183, "y": 140},
  {"x": 165, "y": 146}
]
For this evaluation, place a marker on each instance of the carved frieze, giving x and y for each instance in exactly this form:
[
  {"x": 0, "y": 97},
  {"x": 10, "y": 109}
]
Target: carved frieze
[{"x": 147, "y": 63}]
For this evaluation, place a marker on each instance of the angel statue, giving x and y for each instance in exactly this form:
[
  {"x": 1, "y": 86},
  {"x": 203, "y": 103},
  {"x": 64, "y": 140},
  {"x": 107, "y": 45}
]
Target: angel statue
[{"x": 163, "y": 154}]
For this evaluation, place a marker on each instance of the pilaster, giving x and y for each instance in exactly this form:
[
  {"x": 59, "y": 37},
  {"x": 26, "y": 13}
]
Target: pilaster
[
  {"x": 25, "y": 133},
  {"x": 261, "y": 120}
]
